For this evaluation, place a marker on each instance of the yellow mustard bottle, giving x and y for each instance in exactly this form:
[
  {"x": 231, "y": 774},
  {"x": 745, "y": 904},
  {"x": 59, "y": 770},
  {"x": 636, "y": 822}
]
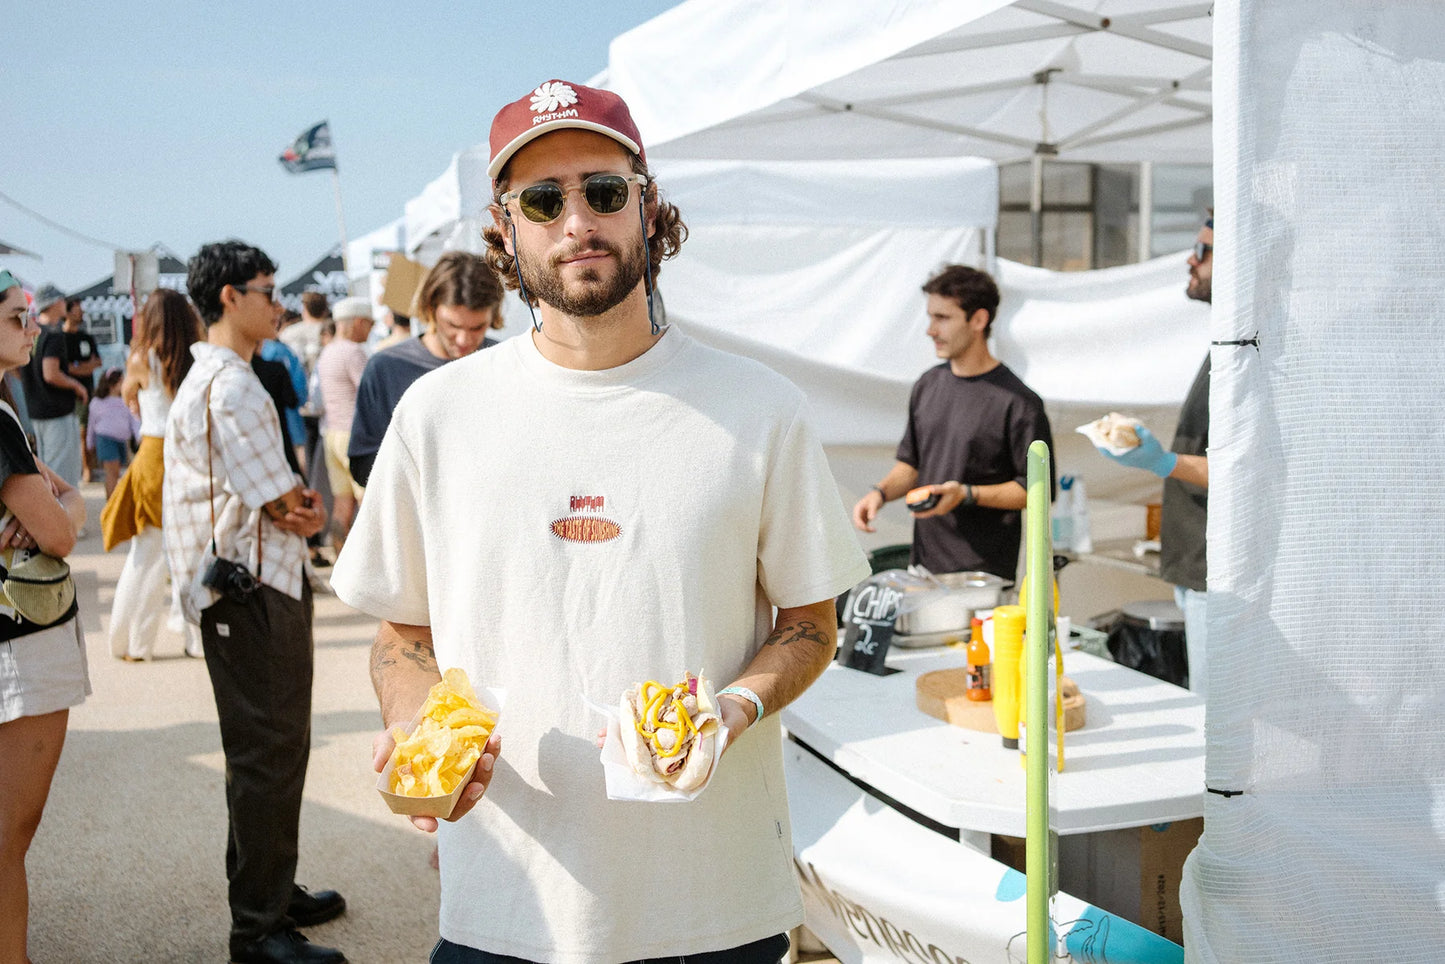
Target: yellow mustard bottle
[{"x": 1008, "y": 647}]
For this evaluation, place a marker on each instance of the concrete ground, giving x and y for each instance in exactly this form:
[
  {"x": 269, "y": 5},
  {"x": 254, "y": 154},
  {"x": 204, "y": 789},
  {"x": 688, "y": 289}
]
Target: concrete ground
[{"x": 129, "y": 861}]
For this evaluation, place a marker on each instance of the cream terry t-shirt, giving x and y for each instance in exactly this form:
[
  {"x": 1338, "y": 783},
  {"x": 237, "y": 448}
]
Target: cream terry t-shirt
[{"x": 567, "y": 534}]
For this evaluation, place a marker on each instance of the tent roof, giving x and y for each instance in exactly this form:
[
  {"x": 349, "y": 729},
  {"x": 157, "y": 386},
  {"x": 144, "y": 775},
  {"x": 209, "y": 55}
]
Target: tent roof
[
  {"x": 317, "y": 275},
  {"x": 168, "y": 264},
  {"x": 462, "y": 191},
  {"x": 12, "y": 249},
  {"x": 1107, "y": 80},
  {"x": 936, "y": 192}
]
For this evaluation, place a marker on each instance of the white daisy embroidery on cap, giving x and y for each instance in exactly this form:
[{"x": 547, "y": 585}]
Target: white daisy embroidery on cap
[{"x": 551, "y": 96}]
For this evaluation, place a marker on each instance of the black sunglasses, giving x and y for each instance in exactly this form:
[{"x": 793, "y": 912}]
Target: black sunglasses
[
  {"x": 267, "y": 291},
  {"x": 1201, "y": 250},
  {"x": 605, "y": 194}
]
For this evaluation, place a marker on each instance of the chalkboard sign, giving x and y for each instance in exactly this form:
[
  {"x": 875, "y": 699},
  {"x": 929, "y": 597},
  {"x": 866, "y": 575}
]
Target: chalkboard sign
[{"x": 868, "y": 620}]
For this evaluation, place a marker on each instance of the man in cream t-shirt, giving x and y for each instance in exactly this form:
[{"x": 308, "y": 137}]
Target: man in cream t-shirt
[{"x": 595, "y": 503}]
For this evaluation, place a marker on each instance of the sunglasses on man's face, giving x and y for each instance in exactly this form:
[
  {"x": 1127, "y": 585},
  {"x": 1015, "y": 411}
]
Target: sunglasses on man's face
[
  {"x": 265, "y": 291},
  {"x": 605, "y": 194},
  {"x": 1201, "y": 251}
]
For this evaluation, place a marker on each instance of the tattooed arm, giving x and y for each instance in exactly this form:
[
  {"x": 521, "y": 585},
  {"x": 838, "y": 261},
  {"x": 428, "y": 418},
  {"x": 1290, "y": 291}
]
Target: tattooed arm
[
  {"x": 403, "y": 669},
  {"x": 803, "y": 642},
  {"x": 299, "y": 511}
]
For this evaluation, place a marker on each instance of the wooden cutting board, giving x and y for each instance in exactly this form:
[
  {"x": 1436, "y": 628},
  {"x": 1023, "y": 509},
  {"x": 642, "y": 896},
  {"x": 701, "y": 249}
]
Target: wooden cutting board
[{"x": 941, "y": 694}]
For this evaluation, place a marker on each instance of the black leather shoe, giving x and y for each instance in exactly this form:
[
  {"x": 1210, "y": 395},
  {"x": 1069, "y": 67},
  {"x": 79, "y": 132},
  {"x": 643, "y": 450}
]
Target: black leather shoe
[
  {"x": 286, "y": 947},
  {"x": 307, "y": 909}
]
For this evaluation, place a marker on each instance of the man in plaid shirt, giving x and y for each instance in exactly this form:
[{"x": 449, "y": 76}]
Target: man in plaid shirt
[{"x": 236, "y": 522}]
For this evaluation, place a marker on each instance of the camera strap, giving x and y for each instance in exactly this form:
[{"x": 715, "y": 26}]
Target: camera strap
[{"x": 211, "y": 481}]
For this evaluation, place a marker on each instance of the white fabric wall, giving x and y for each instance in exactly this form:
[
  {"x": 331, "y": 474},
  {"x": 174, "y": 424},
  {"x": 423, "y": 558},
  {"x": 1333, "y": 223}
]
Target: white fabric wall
[
  {"x": 840, "y": 313},
  {"x": 1327, "y": 508}
]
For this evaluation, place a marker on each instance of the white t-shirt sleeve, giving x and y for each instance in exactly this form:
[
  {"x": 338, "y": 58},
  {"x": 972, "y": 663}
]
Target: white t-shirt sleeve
[
  {"x": 807, "y": 550},
  {"x": 382, "y": 569}
]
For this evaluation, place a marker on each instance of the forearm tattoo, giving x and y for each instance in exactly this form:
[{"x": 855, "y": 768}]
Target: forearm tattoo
[
  {"x": 420, "y": 655},
  {"x": 804, "y": 630}
]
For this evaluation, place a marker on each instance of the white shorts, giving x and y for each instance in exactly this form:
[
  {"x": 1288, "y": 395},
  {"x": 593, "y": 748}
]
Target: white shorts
[{"x": 43, "y": 672}]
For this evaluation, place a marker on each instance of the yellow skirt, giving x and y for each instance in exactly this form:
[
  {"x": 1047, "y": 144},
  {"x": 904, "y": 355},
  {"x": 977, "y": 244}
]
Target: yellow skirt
[{"x": 136, "y": 501}]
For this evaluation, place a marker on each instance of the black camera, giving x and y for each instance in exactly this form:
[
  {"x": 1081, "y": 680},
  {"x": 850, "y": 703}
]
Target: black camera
[{"x": 230, "y": 579}]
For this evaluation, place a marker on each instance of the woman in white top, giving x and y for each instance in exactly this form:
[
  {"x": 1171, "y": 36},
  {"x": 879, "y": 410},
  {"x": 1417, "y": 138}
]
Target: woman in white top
[
  {"x": 42, "y": 666},
  {"x": 159, "y": 359}
]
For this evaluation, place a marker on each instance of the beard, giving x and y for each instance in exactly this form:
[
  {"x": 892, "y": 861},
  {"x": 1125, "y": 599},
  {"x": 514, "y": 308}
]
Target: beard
[
  {"x": 589, "y": 295},
  {"x": 1199, "y": 289}
]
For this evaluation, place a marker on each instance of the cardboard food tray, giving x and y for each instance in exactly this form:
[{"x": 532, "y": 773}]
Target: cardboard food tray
[{"x": 439, "y": 807}]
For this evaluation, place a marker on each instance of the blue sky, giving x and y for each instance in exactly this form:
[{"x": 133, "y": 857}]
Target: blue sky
[{"x": 144, "y": 122}]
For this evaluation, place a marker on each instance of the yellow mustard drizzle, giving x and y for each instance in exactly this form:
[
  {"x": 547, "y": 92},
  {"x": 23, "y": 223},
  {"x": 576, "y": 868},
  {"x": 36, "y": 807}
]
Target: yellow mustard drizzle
[{"x": 654, "y": 696}]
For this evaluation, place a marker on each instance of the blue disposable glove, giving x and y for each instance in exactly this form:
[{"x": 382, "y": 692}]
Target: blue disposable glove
[{"x": 1148, "y": 455}]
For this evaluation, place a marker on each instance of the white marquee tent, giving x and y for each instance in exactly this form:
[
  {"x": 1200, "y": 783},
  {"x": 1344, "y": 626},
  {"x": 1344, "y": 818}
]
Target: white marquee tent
[
  {"x": 799, "y": 265},
  {"x": 1099, "y": 80},
  {"x": 921, "y": 82}
]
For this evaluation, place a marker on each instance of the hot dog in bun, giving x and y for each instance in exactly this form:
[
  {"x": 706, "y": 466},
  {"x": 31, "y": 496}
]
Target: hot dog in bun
[{"x": 670, "y": 732}]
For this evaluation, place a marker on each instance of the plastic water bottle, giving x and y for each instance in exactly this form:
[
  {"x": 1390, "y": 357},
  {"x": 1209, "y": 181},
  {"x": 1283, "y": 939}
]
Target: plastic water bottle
[
  {"x": 1061, "y": 516},
  {"x": 1082, "y": 540}
]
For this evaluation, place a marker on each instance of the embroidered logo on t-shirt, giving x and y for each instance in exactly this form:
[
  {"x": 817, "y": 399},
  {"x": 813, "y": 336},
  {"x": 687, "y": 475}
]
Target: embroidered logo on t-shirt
[{"x": 586, "y": 523}]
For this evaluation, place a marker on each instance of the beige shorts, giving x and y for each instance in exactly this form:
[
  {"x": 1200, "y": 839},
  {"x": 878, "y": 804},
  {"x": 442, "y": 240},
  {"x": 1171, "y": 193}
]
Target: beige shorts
[
  {"x": 338, "y": 466},
  {"x": 43, "y": 672}
]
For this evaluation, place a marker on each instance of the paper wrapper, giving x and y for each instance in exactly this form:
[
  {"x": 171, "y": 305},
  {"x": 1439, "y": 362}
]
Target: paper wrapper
[
  {"x": 1095, "y": 433},
  {"x": 439, "y": 807},
  {"x": 623, "y": 783}
]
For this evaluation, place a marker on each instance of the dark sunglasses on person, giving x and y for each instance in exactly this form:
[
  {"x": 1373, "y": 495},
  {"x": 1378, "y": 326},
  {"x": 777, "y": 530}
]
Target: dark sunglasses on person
[
  {"x": 605, "y": 194},
  {"x": 1201, "y": 250},
  {"x": 266, "y": 291}
]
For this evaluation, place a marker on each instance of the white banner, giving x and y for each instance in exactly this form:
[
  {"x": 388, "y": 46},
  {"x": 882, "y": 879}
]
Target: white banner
[{"x": 879, "y": 888}]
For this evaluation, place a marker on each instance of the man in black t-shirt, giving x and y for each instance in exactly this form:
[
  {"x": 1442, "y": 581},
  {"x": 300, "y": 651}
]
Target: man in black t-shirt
[
  {"x": 1185, "y": 471},
  {"x": 970, "y": 423},
  {"x": 83, "y": 354},
  {"x": 51, "y": 393}
]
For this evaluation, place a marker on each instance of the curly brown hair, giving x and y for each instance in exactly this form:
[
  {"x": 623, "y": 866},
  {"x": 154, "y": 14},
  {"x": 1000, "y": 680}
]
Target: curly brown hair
[{"x": 668, "y": 231}]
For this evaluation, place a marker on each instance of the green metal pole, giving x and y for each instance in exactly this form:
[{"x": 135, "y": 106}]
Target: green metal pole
[{"x": 1039, "y": 611}]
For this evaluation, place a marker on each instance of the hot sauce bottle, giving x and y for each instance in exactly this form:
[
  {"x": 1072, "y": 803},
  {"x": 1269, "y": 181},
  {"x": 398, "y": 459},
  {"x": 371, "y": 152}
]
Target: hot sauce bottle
[{"x": 979, "y": 670}]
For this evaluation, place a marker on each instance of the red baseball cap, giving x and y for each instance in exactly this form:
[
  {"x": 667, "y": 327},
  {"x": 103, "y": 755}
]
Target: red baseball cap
[{"x": 555, "y": 105}]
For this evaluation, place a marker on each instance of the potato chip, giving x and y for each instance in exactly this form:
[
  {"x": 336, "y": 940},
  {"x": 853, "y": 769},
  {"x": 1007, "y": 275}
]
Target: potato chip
[{"x": 452, "y": 729}]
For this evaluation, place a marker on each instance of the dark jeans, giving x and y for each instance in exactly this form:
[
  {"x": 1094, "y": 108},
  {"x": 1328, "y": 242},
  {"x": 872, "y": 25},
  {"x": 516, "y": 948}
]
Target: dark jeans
[
  {"x": 769, "y": 950},
  {"x": 316, "y": 476},
  {"x": 259, "y": 656}
]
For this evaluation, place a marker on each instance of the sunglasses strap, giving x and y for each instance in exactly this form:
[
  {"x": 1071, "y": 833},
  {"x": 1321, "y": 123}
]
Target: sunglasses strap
[
  {"x": 517, "y": 264},
  {"x": 646, "y": 254}
]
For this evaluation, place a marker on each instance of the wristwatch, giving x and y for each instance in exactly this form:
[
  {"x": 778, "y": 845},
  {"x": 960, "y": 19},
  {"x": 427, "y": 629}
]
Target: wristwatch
[{"x": 969, "y": 496}]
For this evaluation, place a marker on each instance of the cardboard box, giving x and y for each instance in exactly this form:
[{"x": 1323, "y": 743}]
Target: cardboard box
[{"x": 1133, "y": 873}]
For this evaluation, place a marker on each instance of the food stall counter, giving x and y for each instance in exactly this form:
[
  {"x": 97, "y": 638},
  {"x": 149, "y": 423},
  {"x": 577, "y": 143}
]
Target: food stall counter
[{"x": 1138, "y": 760}]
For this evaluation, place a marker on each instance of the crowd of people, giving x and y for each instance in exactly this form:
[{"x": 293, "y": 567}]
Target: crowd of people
[
  {"x": 206, "y": 420},
  {"x": 450, "y": 469}
]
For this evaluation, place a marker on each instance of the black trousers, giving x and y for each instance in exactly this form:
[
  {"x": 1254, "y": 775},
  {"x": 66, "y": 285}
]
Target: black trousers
[
  {"x": 769, "y": 950},
  {"x": 316, "y": 476},
  {"x": 259, "y": 656}
]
